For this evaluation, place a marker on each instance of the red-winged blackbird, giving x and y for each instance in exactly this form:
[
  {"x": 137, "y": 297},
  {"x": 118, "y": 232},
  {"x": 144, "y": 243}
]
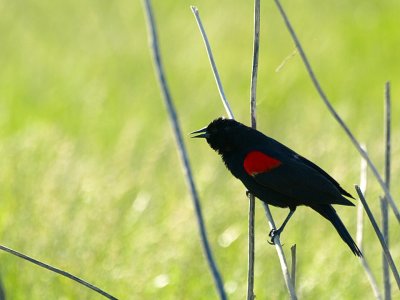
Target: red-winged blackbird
[{"x": 276, "y": 174}]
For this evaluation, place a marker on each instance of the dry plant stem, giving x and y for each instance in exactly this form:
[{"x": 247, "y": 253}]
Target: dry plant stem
[
  {"x": 253, "y": 117},
  {"x": 364, "y": 262},
  {"x": 363, "y": 172},
  {"x": 385, "y": 265},
  {"x": 294, "y": 262},
  {"x": 281, "y": 255},
  {"x": 278, "y": 245},
  {"x": 388, "y": 196},
  {"x": 56, "y": 270},
  {"x": 380, "y": 237},
  {"x": 181, "y": 149},
  {"x": 384, "y": 205},
  {"x": 359, "y": 236},
  {"x": 2, "y": 291},
  {"x": 250, "y": 272},
  {"x": 254, "y": 71},
  {"x": 212, "y": 62}
]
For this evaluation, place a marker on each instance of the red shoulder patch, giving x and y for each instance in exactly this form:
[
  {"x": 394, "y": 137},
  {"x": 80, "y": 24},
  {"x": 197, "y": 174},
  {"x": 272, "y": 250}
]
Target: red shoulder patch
[{"x": 257, "y": 162}]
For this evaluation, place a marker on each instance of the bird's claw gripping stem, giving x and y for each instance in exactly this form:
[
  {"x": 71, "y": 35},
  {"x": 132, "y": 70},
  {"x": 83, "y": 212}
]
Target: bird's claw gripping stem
[
  {"x": 272, "y": 234},
  {"x": 248, "y": 194}
]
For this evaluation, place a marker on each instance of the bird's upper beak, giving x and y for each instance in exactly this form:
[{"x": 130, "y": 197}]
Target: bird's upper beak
[{"x": 202, "y": 133}]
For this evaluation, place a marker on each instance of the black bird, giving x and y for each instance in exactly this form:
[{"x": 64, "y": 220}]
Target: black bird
[{"x": 277, "y": 175}]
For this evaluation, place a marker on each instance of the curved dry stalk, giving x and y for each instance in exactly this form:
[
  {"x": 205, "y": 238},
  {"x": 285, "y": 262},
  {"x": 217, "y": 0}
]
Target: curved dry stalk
[
  {"x": 58, "y": 271},
  {"x": 278, "y": 245},
  {"x": 360, "y": 228},
  {"x": 294, "y": 263},
  {"x": 251, "y": 255},
  {"x": 364, "y": 262},
  {"x": 384, "y": 204},
  {"x": 281, "y": 255},
  {"x": 2, "y": 291},
  {"x": 254, "y": 69},
  {"x": 380, "y": 237},
  {"x": 212, "y": 62},
  {"x": 182, "y": 149},
  {"x": 388, "y": 196}
]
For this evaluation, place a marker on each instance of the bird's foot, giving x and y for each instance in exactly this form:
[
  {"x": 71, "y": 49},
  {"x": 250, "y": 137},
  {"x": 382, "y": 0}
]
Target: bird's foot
[
  {"x": 249, "y": 195},
  {"x": 272, "y": 234}
]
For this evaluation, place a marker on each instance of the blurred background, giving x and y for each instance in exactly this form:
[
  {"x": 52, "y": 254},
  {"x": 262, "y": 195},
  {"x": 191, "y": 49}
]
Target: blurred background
[{"x": 90, "y": 180}]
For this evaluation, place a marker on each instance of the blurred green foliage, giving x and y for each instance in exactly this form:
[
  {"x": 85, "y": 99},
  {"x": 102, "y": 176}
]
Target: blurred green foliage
[{"x": 89, "y": 176}]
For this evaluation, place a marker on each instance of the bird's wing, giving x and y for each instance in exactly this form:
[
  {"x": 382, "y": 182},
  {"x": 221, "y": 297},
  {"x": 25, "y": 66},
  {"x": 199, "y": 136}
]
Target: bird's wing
[
  {"x": 286, "y": 151},
  {"x": 297, "y": 180},
  {"x": 326, "y": 175}
]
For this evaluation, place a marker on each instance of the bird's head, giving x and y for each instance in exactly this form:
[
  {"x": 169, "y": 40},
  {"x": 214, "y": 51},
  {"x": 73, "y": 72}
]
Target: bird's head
[{"x": 223, "y": 135}]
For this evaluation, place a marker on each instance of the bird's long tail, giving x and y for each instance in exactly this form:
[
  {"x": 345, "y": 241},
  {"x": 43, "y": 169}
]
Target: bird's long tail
[{"x": 328, "y": 212}]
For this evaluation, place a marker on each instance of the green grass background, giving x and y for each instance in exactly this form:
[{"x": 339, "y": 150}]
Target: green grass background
[{"x": 90, "y": 180}]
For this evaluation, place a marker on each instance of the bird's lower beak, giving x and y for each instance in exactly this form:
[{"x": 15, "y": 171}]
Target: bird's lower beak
[{"x": 201, "y": 133}]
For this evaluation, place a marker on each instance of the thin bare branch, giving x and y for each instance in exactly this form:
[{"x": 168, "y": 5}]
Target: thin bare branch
[
  {"x": 182, "y": 149},
  {"x": 364, "y": 262},
  {"x": 212, "y": 62},
  {"x": 250, "y": 268},
  {"x": 363, "y": 172},
  {"x": 281, "y": 255},
  {"x": 2, "y": 291},
  {"x": 58, "y": 271},
  {"x": 254, "y": 72},
  {"x": 360, "y": 212},
  {"x": 380, "y": 236},
  {"x": 360, "y": 226},
  {"x": 385, "y": 265},
  {"x": 294, "y": 263},
  {"x": 384, "y": 204},
  {"x": 323, "y": 96},
  {"x": 253, "y": 118},
  {"x": 388, "y": 119}
]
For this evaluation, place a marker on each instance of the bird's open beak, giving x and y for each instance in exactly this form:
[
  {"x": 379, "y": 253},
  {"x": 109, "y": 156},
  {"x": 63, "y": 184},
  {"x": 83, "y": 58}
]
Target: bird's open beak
[{"x": 201, "y": 133}]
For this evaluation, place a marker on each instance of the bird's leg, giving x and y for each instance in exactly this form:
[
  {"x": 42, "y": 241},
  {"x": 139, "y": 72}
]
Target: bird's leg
[{"x": 276, "y": 232}]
